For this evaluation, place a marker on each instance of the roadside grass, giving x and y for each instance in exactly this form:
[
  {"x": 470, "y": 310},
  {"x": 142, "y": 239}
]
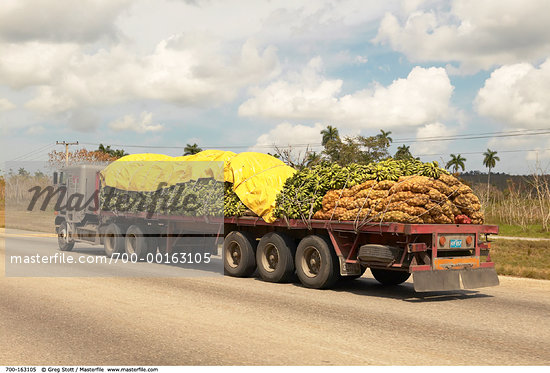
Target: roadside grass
[
  {"x": 522, "y": 258},
  {"x": 531, "y": 230}
]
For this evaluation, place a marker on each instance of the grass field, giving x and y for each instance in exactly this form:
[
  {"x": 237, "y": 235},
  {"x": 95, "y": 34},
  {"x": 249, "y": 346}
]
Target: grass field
[
  {"x": 531, "y": 230},
  {"x": 522, "y": 258}
]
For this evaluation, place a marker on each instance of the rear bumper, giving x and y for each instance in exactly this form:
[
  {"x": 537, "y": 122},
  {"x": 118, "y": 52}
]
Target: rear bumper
[{"x": 455, "y": 279}]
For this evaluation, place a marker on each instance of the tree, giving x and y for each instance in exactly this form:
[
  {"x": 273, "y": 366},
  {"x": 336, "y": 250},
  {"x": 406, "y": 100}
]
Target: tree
[
  {"x": 313, "y": 158},
  {"x": 490, "y": 160},
  {"x": 117, "y": 153},
  {"x": 456, "y": 162},
  {"x": 191, "y": 149},
  {"x": 22, "y": 172},
  {"x": 403, "y": 153},
  {"x": 385, "y": 137},
  {"x": 57, "y": 158},
  {"x": 330, "y": 134}
]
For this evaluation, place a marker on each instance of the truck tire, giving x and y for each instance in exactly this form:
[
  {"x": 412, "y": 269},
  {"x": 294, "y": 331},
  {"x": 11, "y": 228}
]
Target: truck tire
[
  {"x": 63, "y": 240},
  {"x": 239, "y": 258},
  {"x": 388, "y": 277},
  {"x": 113, "y": 241},
  {"x": 275, "y": 257},
  {"x": 136, "y": 242},
  {"x": 316, "y": 263}
]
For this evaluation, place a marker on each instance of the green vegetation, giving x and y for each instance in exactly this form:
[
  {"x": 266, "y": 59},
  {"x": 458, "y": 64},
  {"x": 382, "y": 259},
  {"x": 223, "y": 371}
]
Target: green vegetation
[
  {"x": 521, "y": 258},
  {"x": 530, "y": 230}
]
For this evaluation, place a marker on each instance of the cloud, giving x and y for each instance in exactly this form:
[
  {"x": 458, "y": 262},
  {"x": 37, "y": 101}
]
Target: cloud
[
  {"x": 187, "y": 70},
  {"x": 436, "y": 129},
  {"x": 59, "y": 20},
  {"x": 422, "y": 97},
  {"x": 476, "y": 34},
  {"x": 6, "y": 105},
  {"x": 140, "y": 125},
  {"x": 517, "y": 95},
  {"x": 285, "y": 134}
]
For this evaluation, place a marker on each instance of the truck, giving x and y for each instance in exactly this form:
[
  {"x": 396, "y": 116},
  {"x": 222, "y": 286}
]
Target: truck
[{"x": 319, "y": 253}]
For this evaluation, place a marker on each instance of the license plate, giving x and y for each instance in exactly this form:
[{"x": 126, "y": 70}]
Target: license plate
[{"x": 455, "y": 243}]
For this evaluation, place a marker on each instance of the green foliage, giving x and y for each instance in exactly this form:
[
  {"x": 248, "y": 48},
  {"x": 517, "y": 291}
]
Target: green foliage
[
  {"x": 456, "y": 162},
  {"x": 191, "y": 149},
  {"x": 116, "y": 153}
]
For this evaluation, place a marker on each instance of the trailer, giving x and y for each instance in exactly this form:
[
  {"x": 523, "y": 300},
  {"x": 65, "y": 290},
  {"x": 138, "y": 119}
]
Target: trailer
[{"x": 318, "y": 252}]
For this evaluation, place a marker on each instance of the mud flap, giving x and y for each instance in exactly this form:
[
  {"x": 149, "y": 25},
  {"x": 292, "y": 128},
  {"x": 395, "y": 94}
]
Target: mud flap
[
  {"x": 450, "y": 279},
  {"x": 479, "y": 278},
  {"x": 436, "y": 280}
]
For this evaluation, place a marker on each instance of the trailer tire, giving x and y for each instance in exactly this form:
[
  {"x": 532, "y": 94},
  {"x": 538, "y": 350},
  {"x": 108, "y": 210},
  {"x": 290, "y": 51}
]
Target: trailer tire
[
  {"x": 316, "y": 263},
  {"x": 136, "y": 242},
  {"x": 113, "y": 241},
  {"x": 63, "y": 240},
  {"x": 388, "y": 277},
  {"x": 239, "y": 257},
  {"x": 275, "y": 257}
]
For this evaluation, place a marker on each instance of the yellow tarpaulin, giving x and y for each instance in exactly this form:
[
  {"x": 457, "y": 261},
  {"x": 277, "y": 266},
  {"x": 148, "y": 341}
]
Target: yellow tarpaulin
[
  {"x": 257, "y": 177},
  {"x": 257, "y": 180}
]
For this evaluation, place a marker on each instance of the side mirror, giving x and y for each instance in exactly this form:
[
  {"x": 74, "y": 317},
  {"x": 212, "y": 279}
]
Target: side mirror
[{"x": 55, "y": 178}]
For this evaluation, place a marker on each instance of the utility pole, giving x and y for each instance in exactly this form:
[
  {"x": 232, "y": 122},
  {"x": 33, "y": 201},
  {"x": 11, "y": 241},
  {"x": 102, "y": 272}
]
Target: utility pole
[{"x": 66, "y": 149}]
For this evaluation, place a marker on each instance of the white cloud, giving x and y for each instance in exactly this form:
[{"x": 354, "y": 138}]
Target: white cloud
[
  {"x": 287, "y": 134},
  {"x": 186, "y": 70},
  {"x": 436, "y": 129},
  {"x": 34, "y": 63},
  {"x": 6, "y": 105},
  {"x": 476, "y": 34},
  {"x": 517, "y": 95},
  {"x": 140, "y": 125},
  {"x": 422, "y": 97},
  {"x": 59, "y": 20}
]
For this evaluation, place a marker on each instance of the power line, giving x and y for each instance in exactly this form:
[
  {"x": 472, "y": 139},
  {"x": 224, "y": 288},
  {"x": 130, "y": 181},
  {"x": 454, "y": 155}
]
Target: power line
[
  {"x": 515, "y": 133},
  {"x": 32, "y": 152}
]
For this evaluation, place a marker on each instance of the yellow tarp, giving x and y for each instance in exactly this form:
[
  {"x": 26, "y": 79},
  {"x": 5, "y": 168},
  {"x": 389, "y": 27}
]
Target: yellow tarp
[
  {"x": 257, "y": 177},
  {"x": 257, "y": 180}
]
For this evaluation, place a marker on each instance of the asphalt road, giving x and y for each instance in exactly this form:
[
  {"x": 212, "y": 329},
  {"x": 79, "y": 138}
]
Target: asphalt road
[{"x": 233, "y": 321}]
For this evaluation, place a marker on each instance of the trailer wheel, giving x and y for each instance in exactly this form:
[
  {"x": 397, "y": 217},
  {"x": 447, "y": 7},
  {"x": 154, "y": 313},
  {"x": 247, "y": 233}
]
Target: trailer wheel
[
  {"x": 239, "y": 259},
  {"x": 387, "y": 277},
  {"x": 136, "y": 242},
  {"x": 317, "y": 266},
  {"x": 275, "y": 257},
  {"x": 63, "y": 240},
  {"x": 113, "y": 241}
]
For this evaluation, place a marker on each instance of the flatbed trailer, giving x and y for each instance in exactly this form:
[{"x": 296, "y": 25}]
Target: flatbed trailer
[{"x": 318, "y": 252}]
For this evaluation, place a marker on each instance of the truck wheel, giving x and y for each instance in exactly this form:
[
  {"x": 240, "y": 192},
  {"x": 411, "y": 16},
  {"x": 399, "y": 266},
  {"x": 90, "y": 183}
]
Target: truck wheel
[
  {"x": 387, "y": 277},
  {"x": 136, "y": 242},
  {"x": 239, "y": 259},
  {"x": 63, "y": 240},
  {"x": 275, "y": 257},
  {"x": 113, "y": 241},
  {"x": 317, "y": 266}
]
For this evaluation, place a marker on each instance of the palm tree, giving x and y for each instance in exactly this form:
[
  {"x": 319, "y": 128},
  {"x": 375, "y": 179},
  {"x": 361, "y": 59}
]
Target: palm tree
[
  {"x": 403, "y": 152},
  {"x": 456, "y": 162},
  {"x": 490, "y": 161},
  {"x": 385, "y": 137},
  {"x": 191, "y": 149},
  {"x": 313, "y": 158},
  {"x": 330, "y": 134},
  {"x": 117, "y": 153}
]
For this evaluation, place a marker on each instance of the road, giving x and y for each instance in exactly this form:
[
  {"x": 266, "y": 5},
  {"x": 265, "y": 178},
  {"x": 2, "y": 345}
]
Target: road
[{"x": 234, "y": 321}]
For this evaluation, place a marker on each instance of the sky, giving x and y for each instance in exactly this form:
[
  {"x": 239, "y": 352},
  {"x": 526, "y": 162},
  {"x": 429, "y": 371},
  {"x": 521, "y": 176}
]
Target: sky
[{"x": 152, "y": 76}]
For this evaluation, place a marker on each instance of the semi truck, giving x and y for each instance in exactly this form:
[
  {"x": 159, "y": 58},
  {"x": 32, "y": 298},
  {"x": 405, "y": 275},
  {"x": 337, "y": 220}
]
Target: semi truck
[{"x": 318, "y": 252}]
